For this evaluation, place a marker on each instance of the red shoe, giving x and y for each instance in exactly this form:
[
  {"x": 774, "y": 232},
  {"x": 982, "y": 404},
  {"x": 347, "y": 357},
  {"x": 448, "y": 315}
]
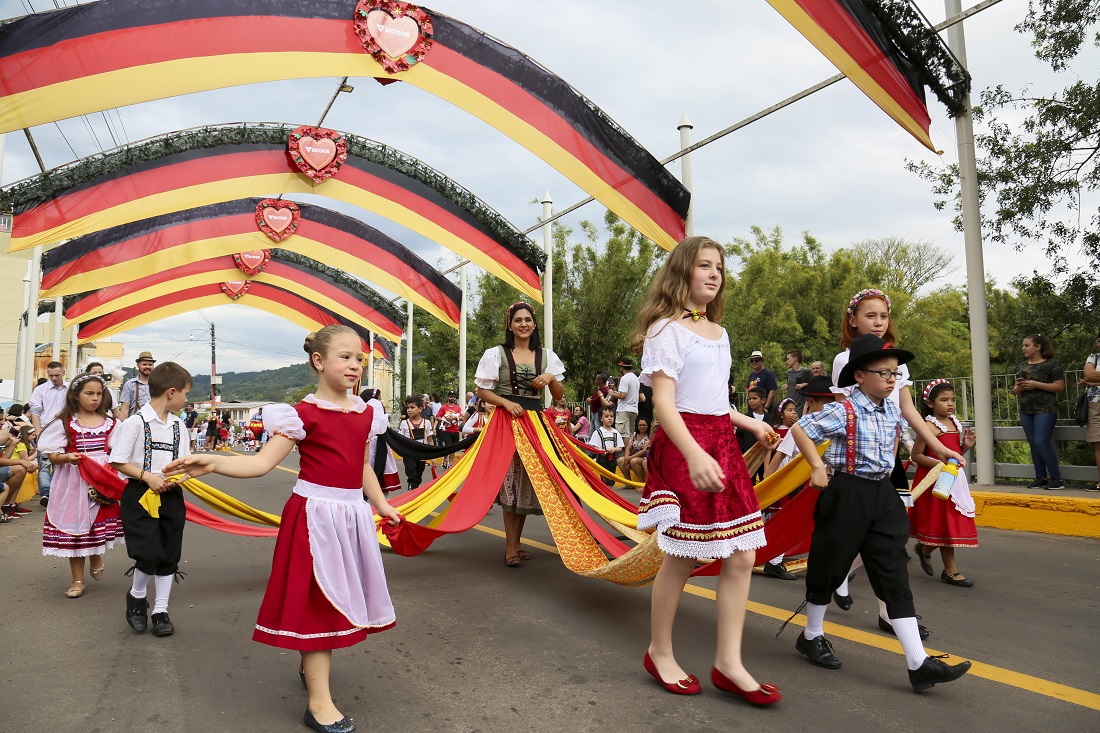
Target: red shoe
[
  {"x": 22, "y": 510},
  {"x": 689, "y": 686},
  {"x": 766, "y": 695}
]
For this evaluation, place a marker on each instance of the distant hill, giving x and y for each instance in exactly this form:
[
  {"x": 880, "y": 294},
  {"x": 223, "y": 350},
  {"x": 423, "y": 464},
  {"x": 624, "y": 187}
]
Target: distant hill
[{"x": 270, "y": 384}]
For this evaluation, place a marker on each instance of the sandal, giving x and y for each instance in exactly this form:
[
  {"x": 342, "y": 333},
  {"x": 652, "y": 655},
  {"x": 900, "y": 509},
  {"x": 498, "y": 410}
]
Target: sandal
[
  {"x": 4, "y": 518},
  {"x": 524, "y": 555},
  {"x": 75, "y": 590},
  {"x": 512, "y": 561},
  {"x": 97, "y": 573},
  {"x": 924, "y": 564}
]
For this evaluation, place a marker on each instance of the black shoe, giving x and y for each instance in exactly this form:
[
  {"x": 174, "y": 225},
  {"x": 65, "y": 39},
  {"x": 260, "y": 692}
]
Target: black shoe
[
  {"x": 933, "y": 670},
  {"x": 924, "y": 564},
  {"x": 956, "y": 579},
  {"x": 885, "y": 626},
  {"x": 1055, "y": 485},
  {"x": 842, "y": 602},
  {"x": 344, "y": 725},
  {"x": 137, "y": 613},
  {"x": 44, "y": 501},
  {"x": 1038, "y": 484},
  {"x": 162, "y": 625},
  {"x": 778, "y": 570},
  {"x": 818, "y": 652}
]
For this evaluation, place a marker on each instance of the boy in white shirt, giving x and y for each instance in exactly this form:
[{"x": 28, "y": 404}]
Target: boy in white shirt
[
  {"x": 153, "y": 512},
  {"x": 606, "y": 437}
]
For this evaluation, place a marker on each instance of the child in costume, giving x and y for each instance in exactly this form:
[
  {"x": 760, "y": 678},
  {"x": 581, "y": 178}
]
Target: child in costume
[
  {"x": 327, "y": 588},
  {"x": 698, "y": 494},
  {"x": 607, "y": 438},
  {"x": 860, "y": 511},
  {"x": 153, "y": 512},
  {"x": 935, "y": 522},
  {"x": 419, "y": 428},
  {"x": 80, "y": 524},
  {"x": 380, "y": 458}
]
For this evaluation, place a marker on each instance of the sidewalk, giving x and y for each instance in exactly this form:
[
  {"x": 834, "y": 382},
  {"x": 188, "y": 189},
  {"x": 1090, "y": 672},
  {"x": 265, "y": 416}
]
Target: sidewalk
[{"x": 1073, "y": 512}]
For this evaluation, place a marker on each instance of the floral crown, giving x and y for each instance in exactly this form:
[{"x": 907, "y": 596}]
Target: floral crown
[
  {"x": 84, "y": 378},
  {"x": 784, "y": 403},
  {"x": 932, "y": 385},
  {"x": 867, "y": 292}
]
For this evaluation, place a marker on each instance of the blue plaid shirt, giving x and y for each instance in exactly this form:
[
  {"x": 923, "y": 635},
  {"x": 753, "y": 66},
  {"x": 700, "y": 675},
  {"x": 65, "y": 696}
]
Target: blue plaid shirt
[{"x": 876, "y": 431}]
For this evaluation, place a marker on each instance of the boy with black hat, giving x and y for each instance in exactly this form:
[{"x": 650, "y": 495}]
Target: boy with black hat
[{"x": 860, "y": 511}]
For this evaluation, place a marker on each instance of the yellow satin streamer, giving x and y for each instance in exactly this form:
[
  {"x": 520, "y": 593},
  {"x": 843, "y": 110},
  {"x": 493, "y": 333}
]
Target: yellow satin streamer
[
  {"x": 591, "y": 463},
  {"x": 226, "y": 504},
  {"x": 151, "y": 503}
]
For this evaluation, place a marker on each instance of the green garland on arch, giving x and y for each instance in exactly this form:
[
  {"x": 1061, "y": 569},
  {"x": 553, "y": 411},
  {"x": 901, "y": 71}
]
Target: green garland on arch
[
  {"x": 53, "y": 182},
  {"x": 922, "y": 46}
]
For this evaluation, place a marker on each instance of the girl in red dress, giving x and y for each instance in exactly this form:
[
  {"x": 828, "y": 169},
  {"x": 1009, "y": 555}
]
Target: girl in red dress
[
  {"x": 327, "y": 588},
  {"x": 698, "y": 495},
  {"x": 935, "y": 522}
]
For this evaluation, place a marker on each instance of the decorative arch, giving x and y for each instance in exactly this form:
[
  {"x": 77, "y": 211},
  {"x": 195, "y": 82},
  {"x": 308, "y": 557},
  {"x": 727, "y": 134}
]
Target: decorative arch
[
  {"x": 167, "y": 251},
  {"x": 110, "y": 54},
  {"x": 212, "y": 165},
  {"x": 262, "y": 296}
]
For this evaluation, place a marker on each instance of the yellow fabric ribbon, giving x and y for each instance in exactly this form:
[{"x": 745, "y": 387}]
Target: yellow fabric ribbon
[{"x": 150, "y": 501}]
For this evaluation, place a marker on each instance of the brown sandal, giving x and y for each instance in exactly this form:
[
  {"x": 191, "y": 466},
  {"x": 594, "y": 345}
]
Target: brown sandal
[
  {"x": 512, "y": 561},
  {"x": 97, "y": 573},
  {"x": 524, "y": 555},
  {"x": 76, "y": 589}
]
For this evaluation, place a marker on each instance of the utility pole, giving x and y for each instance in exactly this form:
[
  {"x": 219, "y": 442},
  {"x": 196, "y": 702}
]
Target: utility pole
[
  {"x": 684, "y": 127},
  {"x": 214, "y": 379}
]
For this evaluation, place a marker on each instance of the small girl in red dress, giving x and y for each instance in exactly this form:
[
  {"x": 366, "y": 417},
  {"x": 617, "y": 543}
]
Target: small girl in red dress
[
  {"x": 698, "y": 495},
  {"x": 327, "y": 588},
  {"x": 935, "y": 522}
]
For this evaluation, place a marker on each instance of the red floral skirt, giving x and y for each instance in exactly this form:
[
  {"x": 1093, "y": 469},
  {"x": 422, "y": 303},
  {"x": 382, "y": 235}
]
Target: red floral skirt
[{"x": 693, "y": 523}]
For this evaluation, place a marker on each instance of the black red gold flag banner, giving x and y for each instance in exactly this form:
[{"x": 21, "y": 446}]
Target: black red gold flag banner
[
  {"x": 309, "y": 282},
  {"x": 180, "y": 171},
  {"x": 262, "y": 296},
  {"x": 849, "y": 33},
  {"x": 144, "y": 251},
  {"x": 101, "y": 55}
]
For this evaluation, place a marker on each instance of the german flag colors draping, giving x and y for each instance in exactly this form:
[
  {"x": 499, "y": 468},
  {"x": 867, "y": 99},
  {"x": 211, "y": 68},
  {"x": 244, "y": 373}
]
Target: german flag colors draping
[
  {"x": 110, "y": 54},
  {"x": 207, "y": 176},
  {"x": 316, "y": 287},
  {"x": 167, "y": 251},
  {"x": 853, "y": 40},
  {"x": 262, "y": 296}
]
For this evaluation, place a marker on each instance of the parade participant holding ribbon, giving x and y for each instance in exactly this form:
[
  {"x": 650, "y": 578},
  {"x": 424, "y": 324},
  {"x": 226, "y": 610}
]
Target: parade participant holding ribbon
[
  {"x": 937, "y": 522},
  {"x": 512, "y": 376},
  {"x": 327, "y": 588},
  {"x": 80, "y": 524},
  {"x": 153, "y": 512},
  {"x": 698, "y": 494}
]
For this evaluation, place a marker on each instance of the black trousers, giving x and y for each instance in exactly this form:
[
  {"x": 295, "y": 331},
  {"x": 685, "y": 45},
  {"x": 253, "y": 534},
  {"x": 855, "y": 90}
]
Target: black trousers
[
  {"x": 414, "y": 472},
  {"x": 858, "y": 516},
  {"x": 155, "y": 545}
]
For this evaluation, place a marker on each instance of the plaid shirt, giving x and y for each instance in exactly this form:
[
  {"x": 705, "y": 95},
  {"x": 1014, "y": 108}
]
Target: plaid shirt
[{"x": 876, "y": 433}]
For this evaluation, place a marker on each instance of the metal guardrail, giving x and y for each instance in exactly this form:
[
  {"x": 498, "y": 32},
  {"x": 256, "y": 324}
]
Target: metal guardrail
[{"x": 1005, "y": 410}]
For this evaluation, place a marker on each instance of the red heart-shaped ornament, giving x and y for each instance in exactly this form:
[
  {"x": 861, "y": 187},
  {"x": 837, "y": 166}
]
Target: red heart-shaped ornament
[
  {"x": 253, "y": 261},
  {"x": 236, "y": 288},
  {"x": 317, "y": 153},
  {"x": 277, "y": 219}
]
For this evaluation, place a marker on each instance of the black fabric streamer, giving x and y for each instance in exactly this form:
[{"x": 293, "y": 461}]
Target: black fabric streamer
[{"x": 408, "y": 448}]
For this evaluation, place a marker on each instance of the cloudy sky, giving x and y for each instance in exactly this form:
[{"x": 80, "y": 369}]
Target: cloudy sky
[{"x": 832, "y": 164}]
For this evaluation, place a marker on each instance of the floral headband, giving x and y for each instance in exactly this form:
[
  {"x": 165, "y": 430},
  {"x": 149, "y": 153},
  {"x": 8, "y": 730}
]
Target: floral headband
[
  {"x": 784, "y": 403},
  {"x": 932, "y": 385},
  {"x": 868, "y": 292},
  {"x": 84, "y": 378}
]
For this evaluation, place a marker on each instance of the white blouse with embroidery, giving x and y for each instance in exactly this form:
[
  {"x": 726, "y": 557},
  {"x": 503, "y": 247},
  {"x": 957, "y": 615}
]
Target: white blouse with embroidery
[
  {"x": 488, "y": 369},
  {"x": 699, "y": 366}
]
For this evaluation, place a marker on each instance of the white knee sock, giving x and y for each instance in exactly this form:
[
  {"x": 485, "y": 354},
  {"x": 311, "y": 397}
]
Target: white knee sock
[
  {"x": 163, "y": 585},
  {"x": 815, "y": 621},
  {"x": 778, "y": 560},
  {"x": 842, "y": 589},
  {"x": 909, "y": 636},
  {"x": 141, "y": 582},
  {"x": 882, "y": 612}
]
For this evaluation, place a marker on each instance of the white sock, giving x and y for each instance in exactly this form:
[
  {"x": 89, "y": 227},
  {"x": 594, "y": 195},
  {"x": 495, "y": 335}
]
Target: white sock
[
  {"x": 778, "y": 560},
  {"x": 163, "y": 585},
  {"x": 909, "y": 635},
  {"x": 856, "y": 564},
  {"x": 141, "y": 582},
  {"x": 842, "y": 589},
  {"x": 882, "y": 612},
  {"x": 815, "y": 621}
]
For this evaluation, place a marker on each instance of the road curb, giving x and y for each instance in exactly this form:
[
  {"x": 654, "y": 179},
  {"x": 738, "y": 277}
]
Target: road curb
[{"x": 1070, "y": 516}]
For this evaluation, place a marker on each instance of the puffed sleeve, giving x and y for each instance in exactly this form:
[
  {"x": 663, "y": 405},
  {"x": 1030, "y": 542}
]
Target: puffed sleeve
[
  {"x": 53, "y": 438},
  {"x": 555, "y": 366},
  {"x": 661, "y": 353},
  {"x": 839, "y": 362},
  {"x": 381, "y": 420},
  {"x": 488, "y": 369},
  {"x": 905, "y": 380},
  {"x": 282, "y": 419}
]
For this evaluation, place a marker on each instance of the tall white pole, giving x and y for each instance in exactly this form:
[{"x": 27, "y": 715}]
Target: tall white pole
[
  {"x": 21, "y": 338},
  {"x": 74, "y": 350},
  {"x": 58, "y": 306},
  {"x": 975, "y": 266},
  {"x": 547, "y": 281},
  {"x": 462, "y": 338},
  {"x": 409, "y": 352},
  {"x": 32, "y": 324},
  {"x": 370, "y": 362},
  {"x": 685, "y": 172},
  {"x": 393, "y": 373}
]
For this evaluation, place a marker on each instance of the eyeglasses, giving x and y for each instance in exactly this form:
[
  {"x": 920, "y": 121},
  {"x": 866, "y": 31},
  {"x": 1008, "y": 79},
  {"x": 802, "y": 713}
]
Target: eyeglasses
[
  {"x": 755, "y": 361},
  {"x": 886, "y": 374}
]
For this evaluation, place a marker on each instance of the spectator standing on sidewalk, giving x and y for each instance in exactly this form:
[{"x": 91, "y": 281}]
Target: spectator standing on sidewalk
[
  {"x": 626, "y": 409},
  {"x": 1092, "y": 381},
  {"x": 47, "y": 399},
  {"x": 1039, "y": 379},
  {"x": 135, "y": 393},
  {"x": 762, "y": 377},
  {"x": 798, "y": 377}
]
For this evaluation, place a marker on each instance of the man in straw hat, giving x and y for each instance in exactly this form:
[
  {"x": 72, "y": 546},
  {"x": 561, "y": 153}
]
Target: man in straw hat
[{"x": 135, "y": 392}]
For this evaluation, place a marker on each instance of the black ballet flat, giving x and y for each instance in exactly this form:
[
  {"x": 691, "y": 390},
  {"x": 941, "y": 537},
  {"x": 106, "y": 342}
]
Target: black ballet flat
[
  {"x": 842, "y": 602},
  {"x": 302, "y": 674},
  {"x": 344, "y": 725}
]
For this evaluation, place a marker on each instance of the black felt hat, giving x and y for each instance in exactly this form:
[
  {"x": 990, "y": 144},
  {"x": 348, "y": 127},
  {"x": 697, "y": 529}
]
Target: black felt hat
[
  {"x": 820, "y": 386},
  {"x": 866, "y": 349}
]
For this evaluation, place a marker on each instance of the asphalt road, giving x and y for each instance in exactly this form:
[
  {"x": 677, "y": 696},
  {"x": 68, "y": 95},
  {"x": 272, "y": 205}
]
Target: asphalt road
[{"x": 480, "y": 647}]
